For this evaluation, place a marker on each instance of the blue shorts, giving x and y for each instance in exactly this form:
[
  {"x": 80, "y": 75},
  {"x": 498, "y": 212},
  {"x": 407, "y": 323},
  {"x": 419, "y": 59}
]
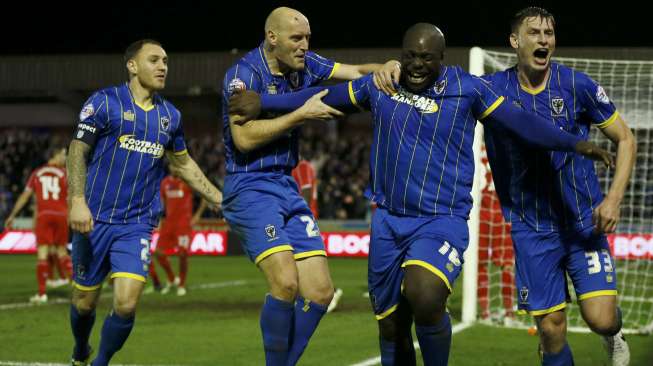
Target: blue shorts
[
  {"x": 544, "y": 259},
  {"x": 122, "y": 249},
  {"x": 435, "y": 243},
  {"x": 269, "y": 216}
]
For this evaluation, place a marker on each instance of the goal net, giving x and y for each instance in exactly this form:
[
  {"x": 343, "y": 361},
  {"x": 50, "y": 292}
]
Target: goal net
[{"x": 630, "y": 86}]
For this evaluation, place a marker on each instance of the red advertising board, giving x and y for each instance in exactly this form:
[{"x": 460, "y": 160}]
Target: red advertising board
[
  {"x": 338, "y": 244},
  {"x": 203, "y": 242}
]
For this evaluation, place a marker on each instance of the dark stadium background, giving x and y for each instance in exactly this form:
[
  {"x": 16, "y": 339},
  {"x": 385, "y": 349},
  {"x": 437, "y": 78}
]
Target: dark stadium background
[{"x": 189, "y": 26}]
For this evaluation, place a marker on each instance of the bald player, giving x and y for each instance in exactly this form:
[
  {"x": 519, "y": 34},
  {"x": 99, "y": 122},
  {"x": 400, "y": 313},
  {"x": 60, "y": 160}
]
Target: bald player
[
  {"x": 262, "y": 205},
  {"x": 421, "y": 170}
]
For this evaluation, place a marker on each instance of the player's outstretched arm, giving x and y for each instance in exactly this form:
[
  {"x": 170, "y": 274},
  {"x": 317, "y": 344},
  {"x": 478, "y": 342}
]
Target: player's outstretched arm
[
  {"x": 385, "y": 75},
  {"x": 257, "y": 133},
  {"x": 186, "y": 168},
  {"x": 249, "y": 104},
  {"x": 79, "y": 215},
  {"x": 20, "y": 203},
  {"x": 542, "y": 133},
  {"x": 606, "y": 214}
]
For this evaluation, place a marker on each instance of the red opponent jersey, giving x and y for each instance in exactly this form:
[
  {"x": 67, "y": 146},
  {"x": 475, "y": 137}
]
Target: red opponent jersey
[
  {"x": 177, "y": 196},
  {"x": 49, "y": 185},
  {"x": 304, "y": 175}
]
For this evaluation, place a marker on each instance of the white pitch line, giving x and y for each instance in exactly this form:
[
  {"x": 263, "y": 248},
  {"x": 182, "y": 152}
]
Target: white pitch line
[
  {"x": 377, "y": 360},
  {"x": 202, "y": 286}
]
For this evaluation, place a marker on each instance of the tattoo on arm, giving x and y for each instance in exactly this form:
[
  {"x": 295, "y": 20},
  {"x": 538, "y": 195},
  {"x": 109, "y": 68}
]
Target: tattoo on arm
[{"x": 76, "y": 167}]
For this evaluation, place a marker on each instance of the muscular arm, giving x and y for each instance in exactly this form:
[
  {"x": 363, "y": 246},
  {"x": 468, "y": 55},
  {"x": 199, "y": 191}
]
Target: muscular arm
[
  {"x": 79, "y": 216},
  {"x": 20, "y": 203},
  {"x": 606, "y": 215},
  {"x": 351, "y": 72},
  {"x": 385, "y": 75},
  {"x": 257, "y": 133},
  {"x": 185, "y": 168}
]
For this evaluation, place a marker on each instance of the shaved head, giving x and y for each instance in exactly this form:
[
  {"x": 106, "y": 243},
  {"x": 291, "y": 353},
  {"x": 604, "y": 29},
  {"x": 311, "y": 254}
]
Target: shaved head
[
  {"x": 287, "y": 34},
  {"x": 283, "y": 18},
  {"x": 425, "y": 33}
]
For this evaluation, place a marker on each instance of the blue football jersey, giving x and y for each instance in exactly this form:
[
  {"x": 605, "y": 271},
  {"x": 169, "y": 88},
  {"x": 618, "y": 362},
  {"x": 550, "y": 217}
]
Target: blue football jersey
[
  {"x": 421, "y": 161},
  {"x": 550, "y": 191},
  {"x": 125, "y": 167},
  {"x": 252, "y": 72}
]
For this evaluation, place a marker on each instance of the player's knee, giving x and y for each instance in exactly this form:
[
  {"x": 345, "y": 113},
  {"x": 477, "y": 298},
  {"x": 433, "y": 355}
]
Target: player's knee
[
  {"x": 607, "y": 325},
  {"x": 85, "y": 302},
  {"x": 84, "y": 307},
  {"x": 323, "y": 295},
  {"x": 427, "y": 302},
  {"x": 285, "y": 287},
  {"x": 125, "y": 307},
  {"x": 553, "y": 326},
  {"x": 388, "y": 330}
]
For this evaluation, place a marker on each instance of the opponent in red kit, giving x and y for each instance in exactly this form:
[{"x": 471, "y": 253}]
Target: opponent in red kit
[
  {"x": 494, "y": 244},
  {"x": 48, "y": 184},
  {"x": 175, "y": 232},
  {"x": 304, "y": 175}
]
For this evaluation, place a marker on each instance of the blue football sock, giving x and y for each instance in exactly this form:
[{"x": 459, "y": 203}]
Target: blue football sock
[
  {"x": 435, "y": 342},
  {"x": 114, "y": 334},
  {"x": 276, "y": 323},
  {"x": 307, "y": 316},
  {"x": 81, "y": 325},
  {"x": 388, "y": 351},
  {"x": 562, "y": 358}
]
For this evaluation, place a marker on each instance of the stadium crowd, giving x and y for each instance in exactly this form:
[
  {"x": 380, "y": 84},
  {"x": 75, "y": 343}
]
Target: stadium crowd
[{"x": 339, "y": 159}]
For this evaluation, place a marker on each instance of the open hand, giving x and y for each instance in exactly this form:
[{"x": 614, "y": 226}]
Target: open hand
[
  {"x": 314, "y": 108},
  {"x": 387, "y": 76}
]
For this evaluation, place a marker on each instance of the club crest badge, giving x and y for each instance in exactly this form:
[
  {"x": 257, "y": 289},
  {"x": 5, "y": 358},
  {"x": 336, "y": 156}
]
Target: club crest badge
[
  {"x": 165, "y": 123},
  {"x": 439, "y": 86},
  {"x": 271, "y": 232},
  {"x": 523, "y": 295},
  {"x": 557, "y": 105}
]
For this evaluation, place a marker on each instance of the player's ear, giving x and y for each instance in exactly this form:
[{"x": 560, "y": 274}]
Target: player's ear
[
  {"x": 514, "y": 40},
  {"x": 272, "y": 37},
  {"x": 131, "y": 66}
]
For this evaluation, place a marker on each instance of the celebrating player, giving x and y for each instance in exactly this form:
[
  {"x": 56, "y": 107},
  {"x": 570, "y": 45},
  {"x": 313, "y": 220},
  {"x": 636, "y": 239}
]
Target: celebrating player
[
  {"x": 421, "y": 169},
  {"x": 262, "y": 204},
  {"x": 123, "y": 133},
  {"x": 553, "y": 199}
]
